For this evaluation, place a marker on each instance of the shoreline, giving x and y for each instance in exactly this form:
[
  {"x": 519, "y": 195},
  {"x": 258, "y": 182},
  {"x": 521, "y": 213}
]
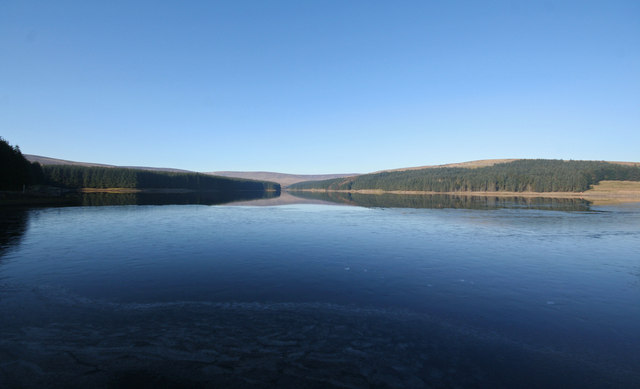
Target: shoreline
[
  {"x": 607, "y": 192},
  {"x": 162, "y": 190},
  {"x": 55, "y": 196},
  {"x": 584, "y": 195}
]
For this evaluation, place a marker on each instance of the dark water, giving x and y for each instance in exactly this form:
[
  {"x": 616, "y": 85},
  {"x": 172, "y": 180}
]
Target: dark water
[{"x": 313, "y": 295}]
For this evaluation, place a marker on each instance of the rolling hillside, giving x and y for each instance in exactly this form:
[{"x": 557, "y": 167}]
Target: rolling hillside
[
  {"x": 533, "y": 175},
  {"x": 468, "y": 164},
  {"x": 283, "y": 179},
  {"x": 46, "y": 161},
  {"x": 70, "y": 174}
]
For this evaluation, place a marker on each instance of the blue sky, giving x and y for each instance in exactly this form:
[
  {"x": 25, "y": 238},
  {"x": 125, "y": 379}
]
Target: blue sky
[{"x": 320, "y": 86}]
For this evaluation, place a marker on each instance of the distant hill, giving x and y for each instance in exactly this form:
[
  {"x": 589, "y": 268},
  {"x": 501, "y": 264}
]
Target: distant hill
[
  {"x": 469, "y": 164},
  {"x": 72, "y": 174},
  {"x": 46, "y": 161},
  {"x": 479, "y": 163},
  {"x": 521, "y": 175},
  {"x": 281, "y": 178}
]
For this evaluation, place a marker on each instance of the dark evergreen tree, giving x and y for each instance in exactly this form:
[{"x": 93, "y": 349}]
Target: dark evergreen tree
[
  {"x": 15, "y": 171},
  {"x": 69, "y": 176}
]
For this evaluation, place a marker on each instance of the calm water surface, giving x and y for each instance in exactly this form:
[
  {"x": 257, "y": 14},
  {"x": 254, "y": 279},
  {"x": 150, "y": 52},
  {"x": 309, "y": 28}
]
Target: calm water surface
[{"x": 320, "y": 295}]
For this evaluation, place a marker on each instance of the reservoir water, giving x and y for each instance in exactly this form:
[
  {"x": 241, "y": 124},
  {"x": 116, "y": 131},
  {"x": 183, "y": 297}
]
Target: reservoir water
[{"x": 415, "y": 292}]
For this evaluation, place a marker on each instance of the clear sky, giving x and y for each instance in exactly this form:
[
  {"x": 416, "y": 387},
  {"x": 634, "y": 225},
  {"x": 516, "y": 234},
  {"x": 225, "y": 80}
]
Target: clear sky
[{"x": 320, "y": 86}]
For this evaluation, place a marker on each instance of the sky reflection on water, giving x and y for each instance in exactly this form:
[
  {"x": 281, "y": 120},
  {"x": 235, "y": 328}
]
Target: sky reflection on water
[{"x": 560, "y": 281}]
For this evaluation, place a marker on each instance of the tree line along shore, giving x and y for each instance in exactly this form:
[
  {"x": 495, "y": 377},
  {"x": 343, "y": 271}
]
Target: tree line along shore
[
  {"x": 17, "y": 174},
  {"x": 518, "y": 176},
  {"x": 529, "y": 177}
]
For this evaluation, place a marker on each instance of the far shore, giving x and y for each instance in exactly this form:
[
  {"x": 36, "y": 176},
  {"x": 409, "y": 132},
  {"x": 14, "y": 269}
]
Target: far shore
[
  {"x": 55, "y": 196},
  {"x": 606, "y": 192},
  {"x": 156, "y": 190}
]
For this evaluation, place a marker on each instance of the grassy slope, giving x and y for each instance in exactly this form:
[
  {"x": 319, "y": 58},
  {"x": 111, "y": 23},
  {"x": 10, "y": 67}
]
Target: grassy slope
[
  {"x": 614, "y": 191},
  {"x": 468, "y": 164}
]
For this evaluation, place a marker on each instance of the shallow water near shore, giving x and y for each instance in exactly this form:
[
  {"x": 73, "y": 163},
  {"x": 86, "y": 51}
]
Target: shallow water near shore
[{"x": 320, "y": 295}]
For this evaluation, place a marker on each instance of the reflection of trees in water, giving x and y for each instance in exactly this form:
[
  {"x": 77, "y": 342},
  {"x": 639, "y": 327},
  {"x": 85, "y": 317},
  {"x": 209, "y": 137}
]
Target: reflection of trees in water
[
  {"x": 203, "y": 198},
  {"x": 390, "y": 200},
  {"x": 13, "y": 225},
  {"x": 14, "y": 220}
]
